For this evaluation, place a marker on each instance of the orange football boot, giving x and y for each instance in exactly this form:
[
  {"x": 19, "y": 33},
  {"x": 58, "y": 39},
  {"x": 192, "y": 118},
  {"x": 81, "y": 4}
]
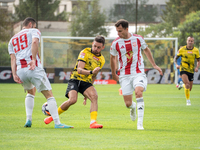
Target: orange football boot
[
  {"x": 48, "y": 120},
  {"x": 96, "y": 126}
]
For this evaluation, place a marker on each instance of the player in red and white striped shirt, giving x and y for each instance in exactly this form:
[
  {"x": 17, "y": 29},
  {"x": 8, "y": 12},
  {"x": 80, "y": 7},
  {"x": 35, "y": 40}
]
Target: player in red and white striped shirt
[
  {"x": 27, "y": 70},
  {"x": 131, "y": 75}
]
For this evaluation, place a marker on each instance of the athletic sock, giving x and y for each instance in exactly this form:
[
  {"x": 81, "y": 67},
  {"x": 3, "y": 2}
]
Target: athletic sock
[
  {"x": 132, "y": 106},
  {"x": 53, "y": 110},
  {"x": 140, "y": 110},
  {"x": 93, "y": 116},
  {"x": 29, "y": 104},
  {"x": 60, "y": 111},
  {"x": 187, "y": 93}
]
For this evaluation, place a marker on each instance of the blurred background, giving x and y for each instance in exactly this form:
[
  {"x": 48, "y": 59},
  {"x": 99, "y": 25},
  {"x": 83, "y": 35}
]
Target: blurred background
[{"x": 88, "y": 18}]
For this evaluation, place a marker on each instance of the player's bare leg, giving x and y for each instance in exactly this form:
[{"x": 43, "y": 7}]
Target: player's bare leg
[
  {"x": 91, "y": 94},
  {"x": 128, "y": 100}
]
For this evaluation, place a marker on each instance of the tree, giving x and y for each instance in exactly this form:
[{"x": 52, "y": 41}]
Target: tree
[
  {"x": 176, "y": 10},
  {"x": 45, "y": 10},
  {"x": 190, "y": 27},
  {"x": 175, "y": 13},
  {"x": 88, "y": 22},
  {"x": 4, "y": 57},
  {"x": 127, "y": 8},
  {"x": 5, "y": 25}
]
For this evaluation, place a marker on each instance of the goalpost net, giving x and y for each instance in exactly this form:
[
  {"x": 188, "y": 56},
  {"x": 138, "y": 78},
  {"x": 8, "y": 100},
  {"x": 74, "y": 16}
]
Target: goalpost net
[{"x": 59, "y": 54}]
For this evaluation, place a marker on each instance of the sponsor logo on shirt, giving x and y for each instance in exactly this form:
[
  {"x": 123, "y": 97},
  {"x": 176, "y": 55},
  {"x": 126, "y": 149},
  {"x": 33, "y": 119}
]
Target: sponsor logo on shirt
[
  {"x": 190, "y": 52},
  {"x": 96, "y": 58}
]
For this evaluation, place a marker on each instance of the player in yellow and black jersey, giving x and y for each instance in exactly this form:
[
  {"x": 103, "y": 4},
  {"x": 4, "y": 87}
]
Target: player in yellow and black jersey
[
  {"x": 89, "y": 63},
  {"x": 188, "y": 54}
]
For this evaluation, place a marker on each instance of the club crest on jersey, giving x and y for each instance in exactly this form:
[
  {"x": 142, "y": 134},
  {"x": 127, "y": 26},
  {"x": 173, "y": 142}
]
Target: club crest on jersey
[
  {"x": 82, "y": 55},
  {"x": 96, "y": 58},
  {"x": 134, "y": 44},
  {"x": 129, "y": 55}
]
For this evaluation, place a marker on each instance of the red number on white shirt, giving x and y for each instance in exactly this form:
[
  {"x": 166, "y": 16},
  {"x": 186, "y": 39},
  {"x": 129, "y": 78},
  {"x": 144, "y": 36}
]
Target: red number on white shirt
[{"x": 20, "y": 43}]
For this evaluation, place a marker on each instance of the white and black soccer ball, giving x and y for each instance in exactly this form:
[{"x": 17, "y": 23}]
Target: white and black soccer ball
[{"x": 45, "y": 109}]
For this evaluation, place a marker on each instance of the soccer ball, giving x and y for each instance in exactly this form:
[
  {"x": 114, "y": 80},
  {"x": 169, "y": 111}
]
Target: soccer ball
[{"x": 45, "y": 109}]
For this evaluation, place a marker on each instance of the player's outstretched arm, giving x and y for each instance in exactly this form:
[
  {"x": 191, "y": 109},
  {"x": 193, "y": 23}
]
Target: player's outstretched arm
[{"x": 147, "y": 52}]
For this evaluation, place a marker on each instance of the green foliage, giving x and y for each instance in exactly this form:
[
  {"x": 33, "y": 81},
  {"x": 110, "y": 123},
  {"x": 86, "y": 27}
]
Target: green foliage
[
  {"x": 156, "y": 30},
  {"x": 4, "y": 56},
  {"x": 169, "y": 124},
  {"x": 190, "y": 27},
  {"x": 5, "y": 25},
  {"x": 127, "y": 10},
  {"x": 174, "y": 18},
  {"x": 176, "y": 10},
  {"x": 88, "y": 22},
  {"x": 46, "y": 9}
]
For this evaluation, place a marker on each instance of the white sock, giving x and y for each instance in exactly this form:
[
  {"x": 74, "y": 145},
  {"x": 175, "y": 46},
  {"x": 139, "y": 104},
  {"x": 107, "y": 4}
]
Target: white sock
[
  {"x": 53, "y": 110},
  {"x": 132, "y": 106},
  {"x": 29, "y": 104},
  {"x": 140, "y": 110}
]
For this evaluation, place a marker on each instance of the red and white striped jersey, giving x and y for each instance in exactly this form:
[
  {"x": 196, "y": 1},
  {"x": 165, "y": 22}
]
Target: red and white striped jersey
[
  {"x": 20, "y": 45},
  {"x": 130, "y": 60}
]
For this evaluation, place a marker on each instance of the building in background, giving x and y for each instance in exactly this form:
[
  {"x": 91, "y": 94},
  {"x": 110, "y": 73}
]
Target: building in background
[{"x": 61, "y": 28}]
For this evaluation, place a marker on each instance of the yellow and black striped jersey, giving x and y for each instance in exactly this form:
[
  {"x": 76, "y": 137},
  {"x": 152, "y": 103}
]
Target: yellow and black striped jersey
[
  {"x": 91, "y": 62},
  {"x": 188, "y": 58}
]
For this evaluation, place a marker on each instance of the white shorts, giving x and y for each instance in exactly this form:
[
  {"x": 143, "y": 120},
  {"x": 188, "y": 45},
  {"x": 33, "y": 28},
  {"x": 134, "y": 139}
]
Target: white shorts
[
  {"x": 34, "y": 78},
  {"x": 129, "y": 83}
]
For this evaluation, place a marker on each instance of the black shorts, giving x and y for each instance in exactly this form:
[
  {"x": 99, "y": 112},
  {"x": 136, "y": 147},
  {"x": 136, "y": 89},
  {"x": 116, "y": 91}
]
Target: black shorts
[
  {"x": 190, "y": 75},
  {"x": 77, "y": 85}
]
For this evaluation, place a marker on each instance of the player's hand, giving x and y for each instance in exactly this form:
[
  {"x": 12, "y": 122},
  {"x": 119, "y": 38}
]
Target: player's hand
[
  {"x": 158, "y": 68},
  {"x": 96, "y": 70},
  {"x": 115, "y": 77},
  {"x": 177, "y": 66},
  {"x": 85, "y": 100},
  {"x": 196, "y": 69},
  {"x": 17, "y": 79},
  {"x": 32, "y": 65}
]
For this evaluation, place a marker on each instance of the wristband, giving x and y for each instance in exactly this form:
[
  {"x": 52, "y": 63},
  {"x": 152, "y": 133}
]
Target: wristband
[{"x": 91, "y": 72}]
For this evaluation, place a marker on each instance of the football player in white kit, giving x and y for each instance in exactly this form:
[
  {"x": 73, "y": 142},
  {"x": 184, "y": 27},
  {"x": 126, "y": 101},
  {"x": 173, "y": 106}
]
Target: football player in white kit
[
  {"x": 131, "y": 75},
  {"x": 27, "y": 70}
]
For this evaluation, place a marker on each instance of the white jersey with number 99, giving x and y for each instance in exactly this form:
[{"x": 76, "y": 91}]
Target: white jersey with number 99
[{"x": 20, "y": 45}]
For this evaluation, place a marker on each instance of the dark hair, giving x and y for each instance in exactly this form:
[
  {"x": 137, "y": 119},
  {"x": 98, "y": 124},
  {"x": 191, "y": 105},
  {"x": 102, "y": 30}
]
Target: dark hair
[
  {"x": 122, "y": 22},
  {"x": 27, "y": 21},
  {"x": 100, "y": 39}
]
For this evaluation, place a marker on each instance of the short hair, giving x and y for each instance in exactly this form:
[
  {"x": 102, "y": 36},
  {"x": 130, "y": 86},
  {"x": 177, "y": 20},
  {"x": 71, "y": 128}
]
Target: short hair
[
  {"x": 100, "y": 39},
  {"x": 122, "y": 22},
  {"x": 27, "y": 21}
]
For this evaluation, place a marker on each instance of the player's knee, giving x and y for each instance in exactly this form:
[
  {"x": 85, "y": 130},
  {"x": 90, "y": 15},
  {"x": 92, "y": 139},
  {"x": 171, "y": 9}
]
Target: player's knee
[
  {"x": 73, "y": 100},
  {"x": 94, "y": 97},
  {"x": 138, "y": 94}
]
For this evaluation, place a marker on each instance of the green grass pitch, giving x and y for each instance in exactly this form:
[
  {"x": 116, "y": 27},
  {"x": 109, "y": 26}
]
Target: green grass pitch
[{"x": 168, "y": 122}]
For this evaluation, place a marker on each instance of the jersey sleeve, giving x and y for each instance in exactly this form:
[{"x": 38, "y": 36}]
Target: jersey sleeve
[
  {"x": 143, "y": 43},
  {"x": 82, "y": 55},
  {"x": 36, "y": 34},
  {"x": 113, "y": 50},
  {"x": 102, "y": 63},
  {"x": 197, "y": 56},
  {"x": 179, "y": 52}
]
